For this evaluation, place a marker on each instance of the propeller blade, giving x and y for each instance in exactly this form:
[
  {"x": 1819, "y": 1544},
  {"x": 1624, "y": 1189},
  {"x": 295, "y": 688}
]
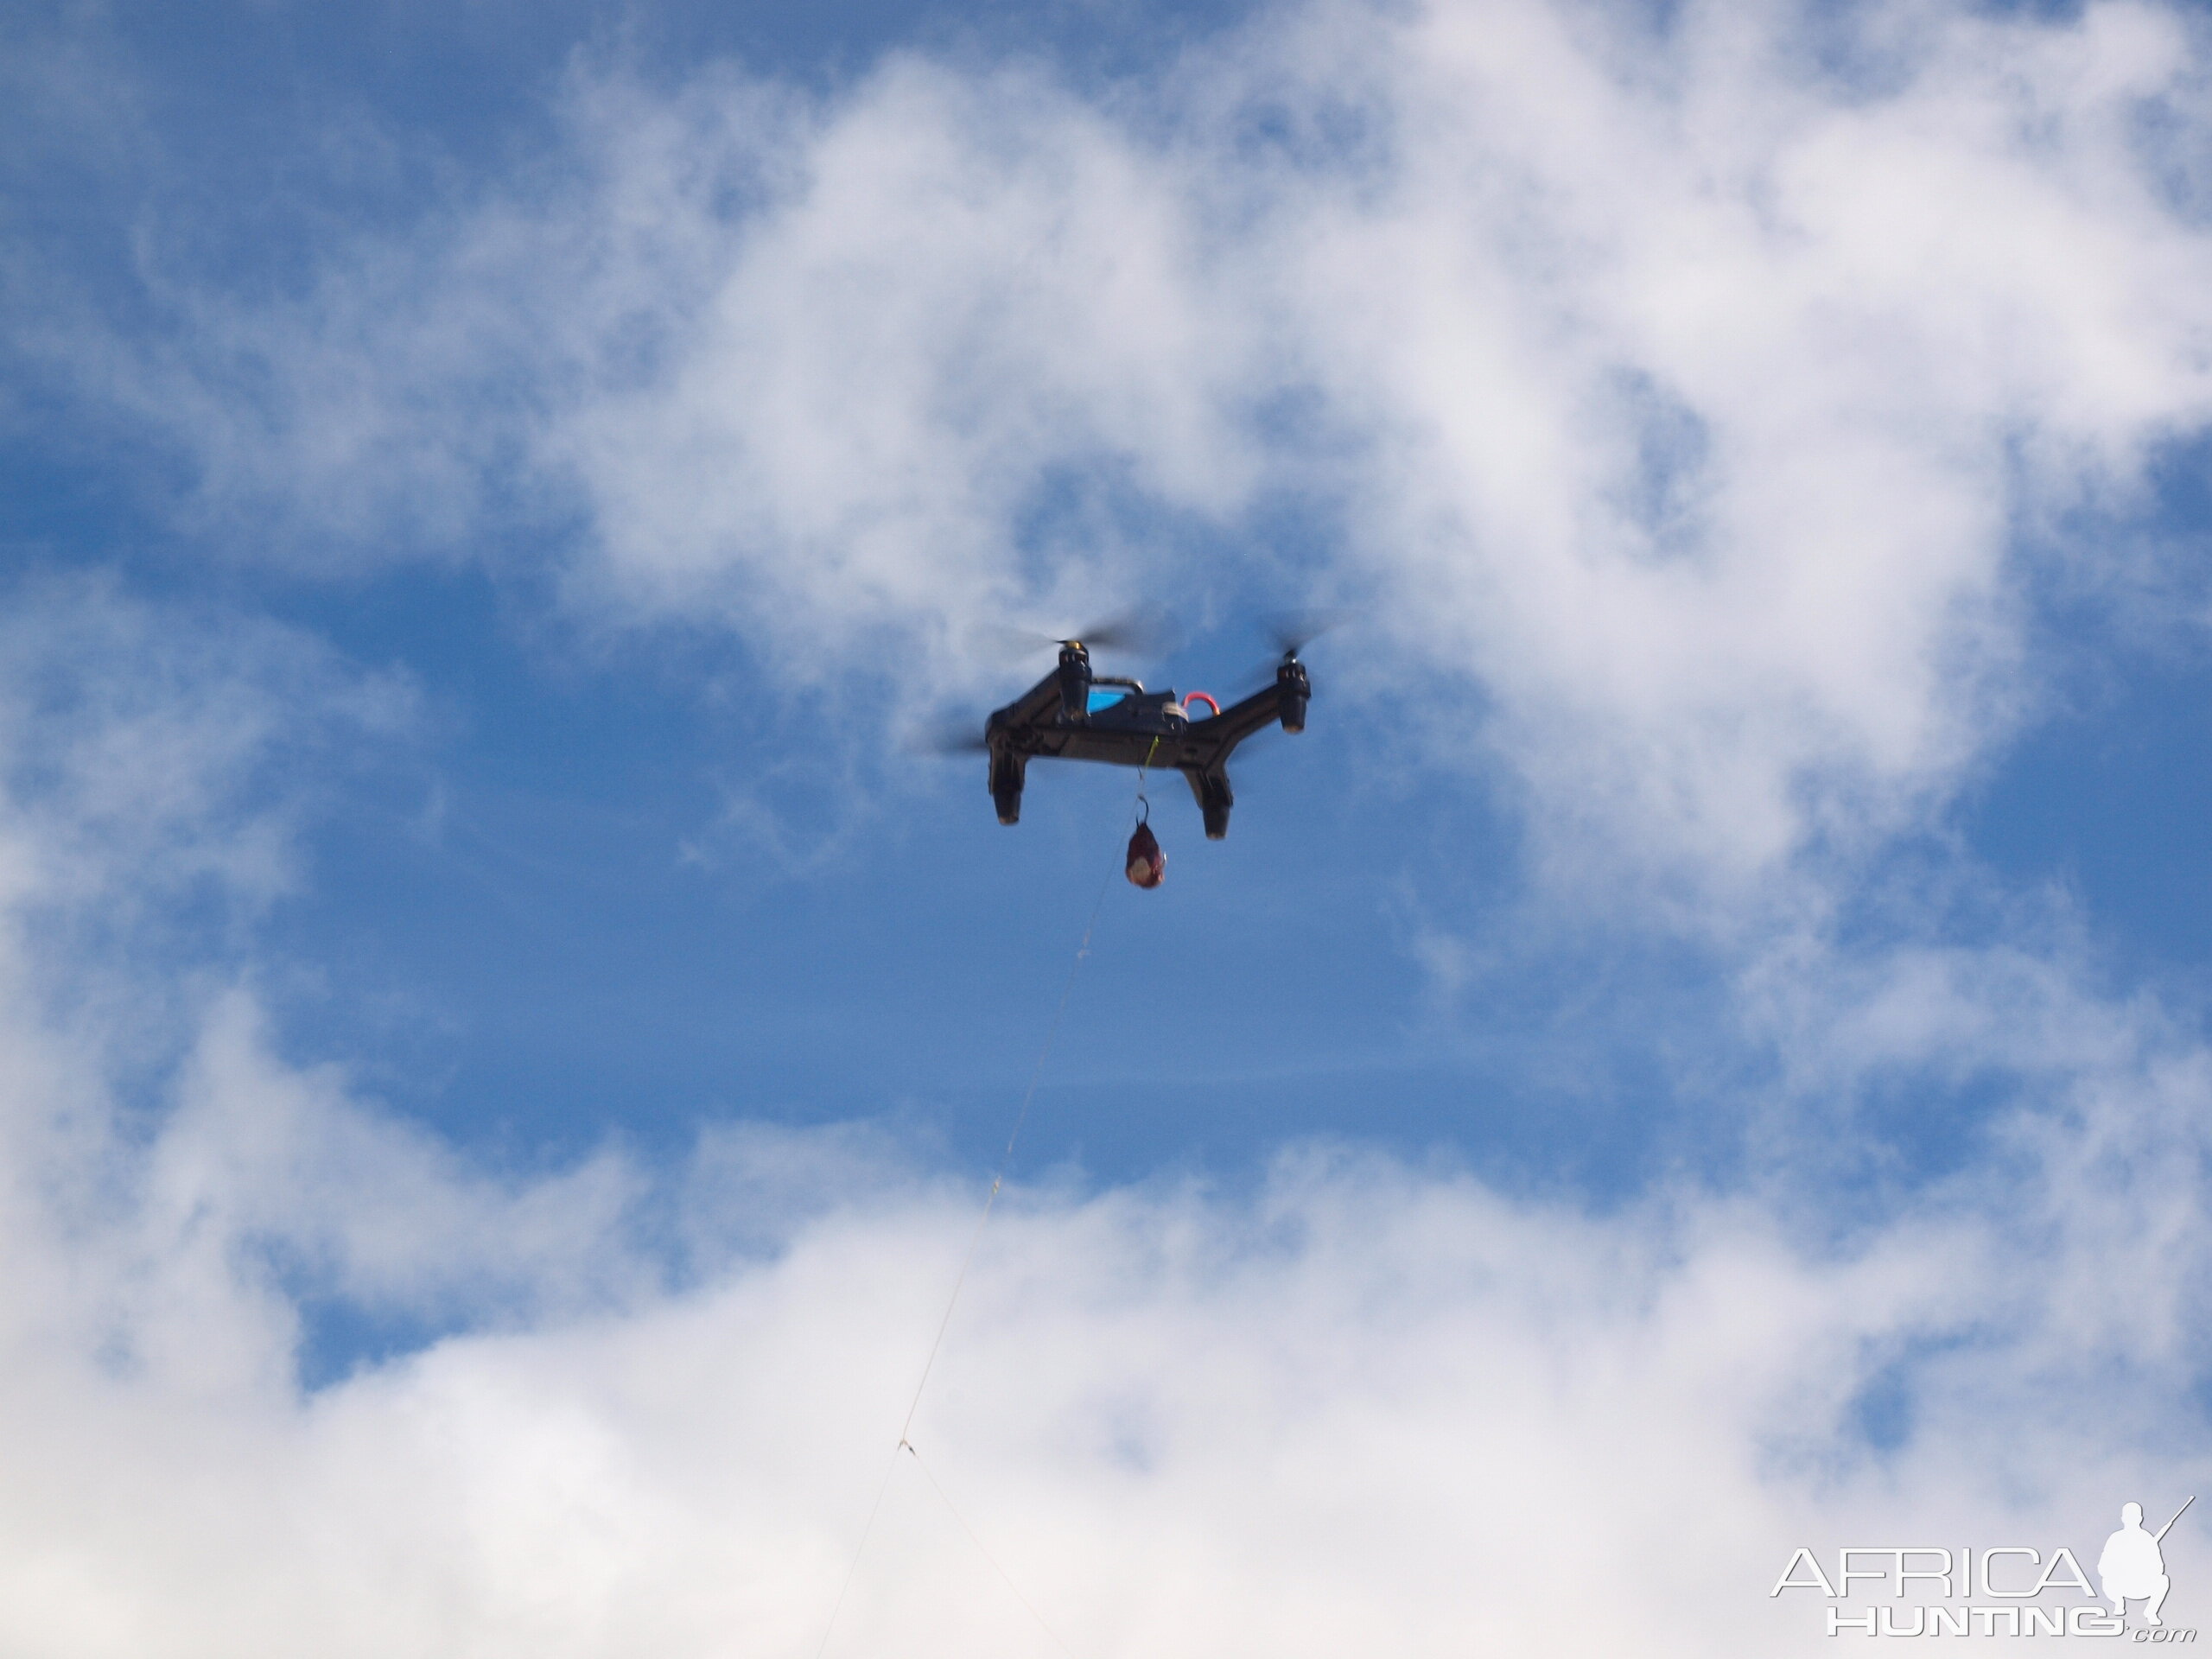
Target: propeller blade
[
  {"x": 1006, "y": 646},
  {"x": 1145, "y": 630},
  {"x": 953, "y": 737},
  {"x": 1292, "y": 630}
]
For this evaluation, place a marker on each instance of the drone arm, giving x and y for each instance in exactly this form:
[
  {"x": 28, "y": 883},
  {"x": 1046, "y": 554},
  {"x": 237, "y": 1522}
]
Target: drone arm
[
  {"x": 1240, "y": 719},
  {"x": 1213, "y": 741}
]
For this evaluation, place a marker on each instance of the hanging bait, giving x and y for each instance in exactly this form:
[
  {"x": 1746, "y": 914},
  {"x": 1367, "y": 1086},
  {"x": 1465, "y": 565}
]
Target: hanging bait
[{"x": 1146, "y": 866}]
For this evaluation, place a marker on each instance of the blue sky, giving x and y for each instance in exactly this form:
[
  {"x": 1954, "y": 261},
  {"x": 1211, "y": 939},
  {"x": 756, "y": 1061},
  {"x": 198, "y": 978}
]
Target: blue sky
[{"x": 508, "y": 1037}]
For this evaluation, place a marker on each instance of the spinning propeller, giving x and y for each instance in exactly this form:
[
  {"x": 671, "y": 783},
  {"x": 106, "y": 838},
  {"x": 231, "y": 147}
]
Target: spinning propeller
[
  {"x": 1291, "y": 631},
  {"x": 1144, "y": 630}
]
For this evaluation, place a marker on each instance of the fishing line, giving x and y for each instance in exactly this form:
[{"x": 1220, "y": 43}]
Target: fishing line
[
  {"x": 960, "y": 1280},
  {"x": 982, "y": 1549}
]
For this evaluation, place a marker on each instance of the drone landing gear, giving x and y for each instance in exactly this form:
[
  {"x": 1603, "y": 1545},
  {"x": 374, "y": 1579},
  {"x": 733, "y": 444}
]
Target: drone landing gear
[
  {"x": 1215, "y": 800},
  {"x": 1006, "y": 778}
]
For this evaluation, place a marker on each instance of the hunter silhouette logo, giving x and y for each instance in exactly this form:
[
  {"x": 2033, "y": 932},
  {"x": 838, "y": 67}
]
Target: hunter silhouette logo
[
  {"x": 2014, "y": 1587},
  {"x": 2133, "y": 1566}
]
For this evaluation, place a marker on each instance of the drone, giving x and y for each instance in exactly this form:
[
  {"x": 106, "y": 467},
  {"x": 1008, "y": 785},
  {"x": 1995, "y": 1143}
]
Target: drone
[{"x": 1073, "y": 714}]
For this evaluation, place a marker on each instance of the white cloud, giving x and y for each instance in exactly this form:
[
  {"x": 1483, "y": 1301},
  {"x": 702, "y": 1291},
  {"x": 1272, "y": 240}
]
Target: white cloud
[
  {"x": 1682, "y": 389},
  {"x": 1820, "y": 300},
  {"x": 1366, "y": 1405},
  {"x": 1362, "y": 1404},
  {"x": 1677, "y": 389},
  {"x": 133, "y": 735}
]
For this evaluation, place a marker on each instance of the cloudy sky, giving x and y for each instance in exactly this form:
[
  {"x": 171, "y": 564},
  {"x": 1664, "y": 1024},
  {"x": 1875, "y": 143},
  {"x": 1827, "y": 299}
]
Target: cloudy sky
[{"x": 1703, "y": 1048}]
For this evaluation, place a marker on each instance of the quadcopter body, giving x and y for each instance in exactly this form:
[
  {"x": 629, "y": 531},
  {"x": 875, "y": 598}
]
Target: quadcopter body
[{"x": 1073, "y": 714}]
